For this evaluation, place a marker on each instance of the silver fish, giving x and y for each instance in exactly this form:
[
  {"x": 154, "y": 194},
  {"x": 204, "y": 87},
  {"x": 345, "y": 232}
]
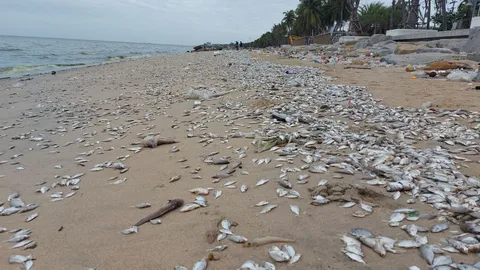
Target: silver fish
[
  {"x": 439, "y": 228},
  {"x": 200, "y": 265},
  {"x": 349, "y": 204},
  {"x": 22, "y": 243},
  {"x": 179, "y": 267},
  {"x": 262, "y": 182},
  {"x": 243, "y": 188},
  {"x": 143, "y": 205},
  {"x": 31, "y": 217},
  {"x": 278, "y": 255},
  {"x": 319, "y": 200},
  {"x": 317, "y": 169},
  {"x": 218, "y": 248},
  {"x": 156, "y": 221},
  {"x": 262, "y": 203},
  {"x": 189, "y": 207},
  {"x": 295, "y": 209},
  {"x": 133, "y": 229},
  {"x": 237, "y": 238},
  {"x": 268, "y": 208},
  {"x": 217, "y": 194},
  {"x": 427, "y": 253}
]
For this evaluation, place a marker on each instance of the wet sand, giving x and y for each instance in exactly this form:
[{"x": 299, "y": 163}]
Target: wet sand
[{"x": 120, "y": 101}]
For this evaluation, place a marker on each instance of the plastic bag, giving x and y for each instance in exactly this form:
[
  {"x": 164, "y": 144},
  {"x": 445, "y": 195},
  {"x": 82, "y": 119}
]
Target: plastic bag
[{"x": 461, "y": 76}]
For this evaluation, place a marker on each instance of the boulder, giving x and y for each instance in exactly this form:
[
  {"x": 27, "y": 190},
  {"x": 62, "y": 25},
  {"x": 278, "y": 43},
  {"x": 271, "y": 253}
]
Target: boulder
[
  {"x": 416, "y": 59},
  {"x": 434, "y": 50},
  {"x": 474, "y": 57},
  {"x": 406, "y": 48},
  {"x": 472, "y": 44},
  {"x": 362, "y": 44},
  {"x": 452, "y": 44},
  {"x": 477, "y": 78},
  {"x": 378, "y": 38}
]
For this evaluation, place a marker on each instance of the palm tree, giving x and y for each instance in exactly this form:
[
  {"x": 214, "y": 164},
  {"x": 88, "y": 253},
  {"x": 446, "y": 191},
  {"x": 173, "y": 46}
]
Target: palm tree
[
  {"x": 374, "y": 17},
  {"x": 288, "y": 20},
  {"x": 309, "y": 12}
]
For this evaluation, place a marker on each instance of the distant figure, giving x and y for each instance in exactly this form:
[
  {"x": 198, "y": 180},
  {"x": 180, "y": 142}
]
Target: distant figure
[
  {"x": 241, "y": 45},
  {"x": 236, "y": 45}
]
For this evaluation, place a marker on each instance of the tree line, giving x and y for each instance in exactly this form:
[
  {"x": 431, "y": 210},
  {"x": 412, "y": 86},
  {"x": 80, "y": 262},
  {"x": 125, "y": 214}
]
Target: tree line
[{"x": 313, "y": 17}]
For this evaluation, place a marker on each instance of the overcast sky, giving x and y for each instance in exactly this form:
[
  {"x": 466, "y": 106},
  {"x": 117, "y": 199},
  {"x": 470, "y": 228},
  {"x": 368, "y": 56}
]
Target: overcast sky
[{"x": 182, "y": 22}]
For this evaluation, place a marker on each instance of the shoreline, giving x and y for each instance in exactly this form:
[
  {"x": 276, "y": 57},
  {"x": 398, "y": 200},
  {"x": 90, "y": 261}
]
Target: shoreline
[
  {"x": 54, "y": 127},
  {"x": 20, "y": 76}
]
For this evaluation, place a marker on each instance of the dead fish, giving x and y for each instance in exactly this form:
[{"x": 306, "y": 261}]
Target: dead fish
[
  {"x": 373, "y": 243},
  {"x": 133, "y": 229},
  {"x": 200, "y": 265},
  {"x": 319, "y": 200},
  {"x": 322, "y": 183},
  {"x": 119, "y": 181},
  {"x": 221, "y": 175},
  {"x": 289, "y": 250},
  {"x": 155, "y": 221},
  {"x": 237, "y": 164},
  {"x": 70, "y": 194},
  {"x": 285, "y": 183},
  {"x": 9, "y": 211},
  {"x": 396, "y": 218},
  {"x": 200, "y": 191},
  {"x": 143, "y": 205},
  {"x": 31, "y": 217},
  {"x": 295, "y": 209},
  {"x": 16, "y": 202},
  {"x": 348, "y": 204},
  {"x": 229, "y": 183},
  {"x": 219, "y": 161},
  {"x": 360, "y": 214},
  {"x": 439, "y": 228},
  {"x": 243, "y": 188},
  {"x": 267, "y": 240},
  {"x": 20, "y": 259},
  {"x": 180, "y": 267},
  {"x": 175, "y": 178},
  {"x": 262, "y": 203},
  {"x": 366, "y": 207},
  {"x": 458, "y": 245},
  {"x": 237, "y": 238},
  {"x": 442, "y": 260},
  {"x": 218, "y": 248},
  {"x": 408, "y": 244},
  {"x": 268, "y": 208},
  {"x": 29, "y": 207},
  {"x": 22, "y": 243},
  {"x": 427, "y": 253},
  {"x": 217, "y": 194},
  {"x": 189, "y": 207},
  {"x": 278, "y": 255},
  {"x": 317, "y": 169},
  {"x": 262, "y": 182}
]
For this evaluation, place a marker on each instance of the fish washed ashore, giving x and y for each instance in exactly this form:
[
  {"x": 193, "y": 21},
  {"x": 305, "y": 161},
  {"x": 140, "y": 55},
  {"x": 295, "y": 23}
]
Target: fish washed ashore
[{"x": 217, "y": 161}]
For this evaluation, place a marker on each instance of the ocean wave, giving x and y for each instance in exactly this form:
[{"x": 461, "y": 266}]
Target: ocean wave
[
  {"x": 125, "y": 57},
  {"x": 24, "y": 69},
  {"x": 88, "y": 53},
  {"x": 9, "y": 49}
]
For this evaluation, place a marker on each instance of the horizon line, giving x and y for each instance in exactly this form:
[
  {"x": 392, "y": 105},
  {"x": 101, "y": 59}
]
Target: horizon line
[{"x": 135, "y": 42}]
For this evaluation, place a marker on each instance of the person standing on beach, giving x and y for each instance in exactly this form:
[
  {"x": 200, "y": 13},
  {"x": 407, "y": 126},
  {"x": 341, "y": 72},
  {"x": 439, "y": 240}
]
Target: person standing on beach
[
  {"x": 241, "y": 45},
  {"x": 236, "y": 45}
]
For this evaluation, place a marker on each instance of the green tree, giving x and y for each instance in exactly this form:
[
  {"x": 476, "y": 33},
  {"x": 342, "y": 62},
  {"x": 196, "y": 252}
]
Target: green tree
[
  {"x": 289, "y": 20},
  {"x": 309, "y": 15},
  {"x": 375, "y": 18}
]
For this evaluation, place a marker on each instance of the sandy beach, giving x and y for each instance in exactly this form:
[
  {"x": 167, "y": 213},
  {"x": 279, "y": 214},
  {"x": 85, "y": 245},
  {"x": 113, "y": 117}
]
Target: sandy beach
[{"x": 97, "y": 113}]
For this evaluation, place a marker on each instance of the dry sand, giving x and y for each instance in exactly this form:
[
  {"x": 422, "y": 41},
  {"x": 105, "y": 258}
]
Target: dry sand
[{"x": 93, "y": 218}]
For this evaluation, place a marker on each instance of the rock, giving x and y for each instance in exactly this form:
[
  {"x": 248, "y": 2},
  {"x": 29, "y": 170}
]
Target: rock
[
  {"x": 378, "y": 38},
  {"x": 452, "y": 44},
  {"x": 474, "y": 57},
  {"x": 362, "y": 44},
  {"x": 471, "y": 46},
  {"x": 433, "y": 50},
  {"x": 406, "y": 48},
  {"x": 359, "y": 62},
  {"x": 416, "y": 59},
  {"x": 477, "y": 78}
]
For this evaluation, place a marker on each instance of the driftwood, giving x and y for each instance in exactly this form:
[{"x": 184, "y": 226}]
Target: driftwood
[
  {"x": 168, "y": 207},
  {"x": 354, "y": 67}
]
